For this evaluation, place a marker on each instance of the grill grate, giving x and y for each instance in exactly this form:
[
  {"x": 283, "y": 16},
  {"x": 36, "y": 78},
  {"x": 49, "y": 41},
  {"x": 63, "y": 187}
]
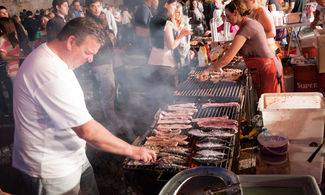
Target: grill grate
[
  {"x": 223, "y": 91},
  {"x": 231, "y": 112}
]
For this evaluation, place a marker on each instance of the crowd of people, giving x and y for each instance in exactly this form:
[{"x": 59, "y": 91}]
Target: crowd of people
[{"x": 40, "y": 50}]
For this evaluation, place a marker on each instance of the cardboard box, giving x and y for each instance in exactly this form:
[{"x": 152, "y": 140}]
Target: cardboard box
[
  {"x": 299, "y": 115},
  {"x": 320, "y": 49}
]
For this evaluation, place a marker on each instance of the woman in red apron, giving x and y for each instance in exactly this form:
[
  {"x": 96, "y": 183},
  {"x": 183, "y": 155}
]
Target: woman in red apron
[{"x": 250, "y": 42}]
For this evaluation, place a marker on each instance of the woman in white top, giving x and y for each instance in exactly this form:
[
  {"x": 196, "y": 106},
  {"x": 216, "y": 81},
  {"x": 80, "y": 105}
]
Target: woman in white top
[{"x": 164, "y": 41}]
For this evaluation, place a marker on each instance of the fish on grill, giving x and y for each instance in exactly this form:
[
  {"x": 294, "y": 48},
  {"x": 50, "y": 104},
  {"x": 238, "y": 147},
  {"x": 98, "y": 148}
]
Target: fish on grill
[
  {"x": 166, "y": 133},
  {"x": 229, "y": 104},
  {"x": 213, "y": 133},
  {"x": 214, "y": 140},
  {"x": 176, "y": 117},
  {"x": 225, "y": 117},
  {"x": 206, "y": 160},
  {"x": 177, "y": 114},
  {"x": 176, "y": 150},
  {"x": 214, "y": 121},
  {"x": 181, "y": 109},
  {"x": 173, "y": 121},
  {"x": 173, "y": 137},
  {"x": 210, "y": 153},
  {"x": 209, "y": 145},
  {"x": 171, "y": 158},
  {"x": 163, "y": 127},
  {"x": 161, "y": 143},
  {"x": 229, "y": 124},
  {"x": 185, "y": 105}
]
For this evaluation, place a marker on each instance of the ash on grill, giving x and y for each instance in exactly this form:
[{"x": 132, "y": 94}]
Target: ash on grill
[{"x": 181, "y": 142}]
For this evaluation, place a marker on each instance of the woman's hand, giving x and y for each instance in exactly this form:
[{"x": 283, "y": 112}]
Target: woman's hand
[{"x": 186, "y": 32}]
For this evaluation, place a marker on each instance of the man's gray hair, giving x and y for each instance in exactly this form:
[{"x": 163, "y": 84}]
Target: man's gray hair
[{"x": 80, "y": 28}]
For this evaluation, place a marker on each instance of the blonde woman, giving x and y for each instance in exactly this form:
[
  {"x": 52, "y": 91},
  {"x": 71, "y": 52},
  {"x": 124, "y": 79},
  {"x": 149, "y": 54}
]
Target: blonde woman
[{"x": 181, "y": 52}]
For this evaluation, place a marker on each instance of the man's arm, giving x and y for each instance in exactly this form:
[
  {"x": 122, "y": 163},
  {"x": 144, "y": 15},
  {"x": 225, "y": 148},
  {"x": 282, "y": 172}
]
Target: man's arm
[
  {"x": 290, "y": 8},
  {"x": 98, "y": 136}
]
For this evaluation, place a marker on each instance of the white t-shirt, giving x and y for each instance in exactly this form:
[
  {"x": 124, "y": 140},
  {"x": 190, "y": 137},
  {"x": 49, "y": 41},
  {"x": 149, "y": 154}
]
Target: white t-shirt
[{"x": 48, "y": 101}]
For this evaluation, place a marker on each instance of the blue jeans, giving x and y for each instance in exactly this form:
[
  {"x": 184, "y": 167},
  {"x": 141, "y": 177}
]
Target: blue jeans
[
  {"x": 81, "y": 181},
  {"x": 105, "y": 83}
]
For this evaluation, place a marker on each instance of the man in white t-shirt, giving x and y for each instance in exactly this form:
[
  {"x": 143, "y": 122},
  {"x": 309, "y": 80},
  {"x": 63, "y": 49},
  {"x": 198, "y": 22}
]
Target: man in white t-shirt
[{"x": 52, "y": 123}]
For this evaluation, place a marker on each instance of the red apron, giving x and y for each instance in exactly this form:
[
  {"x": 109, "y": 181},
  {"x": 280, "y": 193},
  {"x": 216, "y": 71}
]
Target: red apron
[{"x": 264, "y": 74}]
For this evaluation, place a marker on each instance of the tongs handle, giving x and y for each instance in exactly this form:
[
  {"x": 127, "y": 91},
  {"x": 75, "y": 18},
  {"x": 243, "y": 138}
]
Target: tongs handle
[{"x": 312, "y": 156}]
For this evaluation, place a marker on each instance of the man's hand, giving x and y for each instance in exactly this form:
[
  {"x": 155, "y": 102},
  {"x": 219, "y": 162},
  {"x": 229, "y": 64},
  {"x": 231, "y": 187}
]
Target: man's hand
[{"x": 143, "y": 154}]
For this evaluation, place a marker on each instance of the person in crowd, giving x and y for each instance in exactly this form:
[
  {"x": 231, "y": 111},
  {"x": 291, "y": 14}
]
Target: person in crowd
[
  {"x": 251, "y": 43},
  {"x": 51, "y": 15},
  {"x": 182, "y": 51},
  {"x": 31, "y": 25},
  {"x": 3, "y": 12},
  {"x": 142, "y": 20},
  {"x": 55, "y": 25},
  {"x": 102, "y": 68},
  {"x": 118, "y": 19},
  {"x": 20, "y": 31},
  {"x": 16, "y": 19},
  {"x": 41, "y": 33},
  {"x": 295, "y": 6},
  {"x": 126, "y": 28},
  {"x": 76, "y": 9},
  {"x": 161, "y": 58},
  {"x": 9, "y": 47},
  {"x": 319, "y": 14},
  {"x": 273, "y": 5},
  {"x": 4, "y": 109},
  {"x": 265, "y": 18},
  {"x": 197, "y": 19},
  {"x": 110, "y": 19},
  {"x": 52, "y": 123},
  {"x": 214, "y": 10}
]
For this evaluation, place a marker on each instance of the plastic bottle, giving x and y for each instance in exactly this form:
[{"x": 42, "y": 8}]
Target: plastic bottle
[{"x": 201, "y": 58}]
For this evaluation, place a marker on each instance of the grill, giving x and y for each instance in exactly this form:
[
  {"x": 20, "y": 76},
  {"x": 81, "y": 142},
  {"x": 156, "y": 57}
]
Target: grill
[
  {"x": 149, "y": 179},
  {"x": 222, "y": 91},
  {"x": 164, "y": 174}
]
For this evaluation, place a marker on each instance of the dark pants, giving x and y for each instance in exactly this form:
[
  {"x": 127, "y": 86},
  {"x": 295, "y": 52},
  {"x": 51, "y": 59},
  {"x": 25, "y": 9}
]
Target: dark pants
[{"x": 8, "y": 85}]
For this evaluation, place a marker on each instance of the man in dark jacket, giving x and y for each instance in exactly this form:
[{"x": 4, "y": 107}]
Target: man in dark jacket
[
  {"x": 31, "y": 25},
  {"x": 55, "y": 25},
  {"x": 103, "y": 71}
]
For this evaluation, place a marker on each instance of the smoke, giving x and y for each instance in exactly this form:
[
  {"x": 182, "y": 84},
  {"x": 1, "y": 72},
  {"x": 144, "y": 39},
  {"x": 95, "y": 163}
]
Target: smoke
[{"x": 141, "y": 88}]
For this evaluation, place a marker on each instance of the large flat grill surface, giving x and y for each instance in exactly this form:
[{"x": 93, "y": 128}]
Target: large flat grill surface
[
  {"x": 195, "y": 88},
  {"x": 232, "y": 112},
  {"x": 222, "y": 90}
]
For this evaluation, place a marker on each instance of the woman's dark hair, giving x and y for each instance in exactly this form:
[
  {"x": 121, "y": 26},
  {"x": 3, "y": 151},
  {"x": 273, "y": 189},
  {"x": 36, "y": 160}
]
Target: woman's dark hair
[
  {"x": 8, "y": 29},
  {"x": 238, "y": 5}
]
